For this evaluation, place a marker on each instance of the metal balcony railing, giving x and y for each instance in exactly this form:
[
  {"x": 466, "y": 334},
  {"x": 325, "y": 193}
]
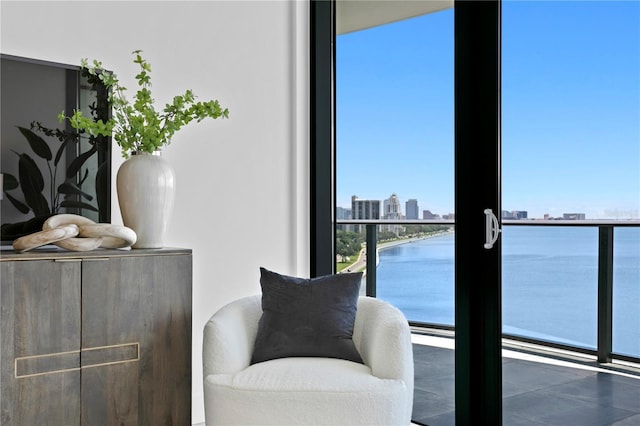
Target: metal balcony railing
[{"x": 606, "y": 228}]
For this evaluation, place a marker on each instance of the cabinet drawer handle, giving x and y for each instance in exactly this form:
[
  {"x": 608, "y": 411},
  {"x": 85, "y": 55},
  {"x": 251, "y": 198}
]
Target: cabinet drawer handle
[
  {"x": 110, "y": 355},
  {"x": 38, "y": 365},
  {"x": 62, "y": 362}
]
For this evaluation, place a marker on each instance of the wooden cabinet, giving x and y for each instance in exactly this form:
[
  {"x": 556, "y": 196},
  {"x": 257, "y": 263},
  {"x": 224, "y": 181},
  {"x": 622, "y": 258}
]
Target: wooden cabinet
[{"x": 96, "y": 338}]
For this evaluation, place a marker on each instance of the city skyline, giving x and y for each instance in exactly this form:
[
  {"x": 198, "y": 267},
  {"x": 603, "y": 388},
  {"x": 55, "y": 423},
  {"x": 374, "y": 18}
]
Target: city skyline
[
  {"x": 413, "y": 203},
  {"x": 570, "y": 110}
]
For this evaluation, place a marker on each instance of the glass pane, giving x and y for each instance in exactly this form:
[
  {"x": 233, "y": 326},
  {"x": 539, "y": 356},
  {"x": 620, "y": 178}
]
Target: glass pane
[
  {"x": 394, "y": 161},
  {"x": 571, "y": 150},
  {"x": 550, "y": 284},
  {"x": 419, "y": 278},
  {"x": 571, "y": 109},
  {"x": 626, "y": 291},
  {"x": 394, "y": 150}
]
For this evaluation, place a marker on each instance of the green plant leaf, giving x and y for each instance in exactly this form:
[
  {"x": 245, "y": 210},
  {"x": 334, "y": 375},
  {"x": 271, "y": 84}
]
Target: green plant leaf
[
  {"x": 38, "y": 145},
  {"x": 23, "y": 208},
  {"x": 78, "y": 205},
  {"x": 70, "y": 188},
  {"x": 137, "y": 126},
  {"x": 9, "y": 182},
  {"x": 77, "y": 162}
]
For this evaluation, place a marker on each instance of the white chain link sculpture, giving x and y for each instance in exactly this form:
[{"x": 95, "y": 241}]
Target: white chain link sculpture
[{"x": 77, "y": 233}]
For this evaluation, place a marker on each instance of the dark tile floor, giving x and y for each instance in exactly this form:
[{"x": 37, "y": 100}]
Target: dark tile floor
[{"x": 534, "y": 393}]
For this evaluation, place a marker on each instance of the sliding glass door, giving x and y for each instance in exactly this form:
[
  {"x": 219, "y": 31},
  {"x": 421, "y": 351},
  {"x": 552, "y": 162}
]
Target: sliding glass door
[
  {"x": 417, "y": 154},
  {"x": 394, "y": 161},
  {"x": 414, "y": 166}
]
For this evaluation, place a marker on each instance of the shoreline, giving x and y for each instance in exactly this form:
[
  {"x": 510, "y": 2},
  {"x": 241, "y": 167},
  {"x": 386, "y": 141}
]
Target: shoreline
[
  {"x": 360, "y": 263},
  {"x": 389, "y": 244}
]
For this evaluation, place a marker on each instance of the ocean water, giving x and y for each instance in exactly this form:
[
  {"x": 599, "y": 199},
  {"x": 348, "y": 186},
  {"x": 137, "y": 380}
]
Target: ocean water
[{"x": 549, "y": 283}]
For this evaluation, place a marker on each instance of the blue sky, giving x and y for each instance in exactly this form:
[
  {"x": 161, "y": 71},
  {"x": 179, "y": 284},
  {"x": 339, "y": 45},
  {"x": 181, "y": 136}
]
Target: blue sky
[{"x": 570, "y": 110}]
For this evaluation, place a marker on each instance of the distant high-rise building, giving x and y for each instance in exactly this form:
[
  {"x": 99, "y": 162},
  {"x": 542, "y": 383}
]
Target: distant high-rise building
[
  {"x": 573, "y": 216},
  {"x": 520, "y": 214},
  {"x": 343, "y": 214},
  {"x": 411, "y": 207},
  {"x": 426, "y": 214},
  {"x": 515, "y": 215},
  {"x": 364, "y": 209},
  {"x": 392, "y": 211},
  {"x": 392, "y": 208}
]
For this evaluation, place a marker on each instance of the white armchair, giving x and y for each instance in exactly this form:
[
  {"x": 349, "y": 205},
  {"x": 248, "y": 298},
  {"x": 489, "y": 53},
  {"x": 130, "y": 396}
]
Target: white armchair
[{"x": 308, "y": 391}]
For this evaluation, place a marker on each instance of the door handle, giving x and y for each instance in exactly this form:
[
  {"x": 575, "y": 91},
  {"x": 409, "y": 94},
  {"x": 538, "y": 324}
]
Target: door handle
[{"x": 492, "y": 229}]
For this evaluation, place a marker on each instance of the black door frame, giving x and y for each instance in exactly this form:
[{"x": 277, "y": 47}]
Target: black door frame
[
  {"x": 322, "y": 137},
  {"x": 478, "y": 274}
]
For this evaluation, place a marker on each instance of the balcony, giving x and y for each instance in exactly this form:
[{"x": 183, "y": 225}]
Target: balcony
[
  {"x": 548, "y": 378},
  {"x": 541, "y": 385}
]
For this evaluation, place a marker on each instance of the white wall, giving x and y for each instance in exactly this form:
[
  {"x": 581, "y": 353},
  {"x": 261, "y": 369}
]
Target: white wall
[{"x": 242, "y": 183}]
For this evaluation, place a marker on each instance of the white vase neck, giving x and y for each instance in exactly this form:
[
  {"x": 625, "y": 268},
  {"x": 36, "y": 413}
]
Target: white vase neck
[{"x": 157, "y": 153}]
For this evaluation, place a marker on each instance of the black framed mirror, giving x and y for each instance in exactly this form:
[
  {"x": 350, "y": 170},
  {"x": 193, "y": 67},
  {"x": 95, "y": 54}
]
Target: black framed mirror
[{"x": 47, "y": 167}]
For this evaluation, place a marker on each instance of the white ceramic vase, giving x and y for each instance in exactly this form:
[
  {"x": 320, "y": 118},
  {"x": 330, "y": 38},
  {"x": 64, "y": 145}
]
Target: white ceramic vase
[{"x": 146, "y": 188}]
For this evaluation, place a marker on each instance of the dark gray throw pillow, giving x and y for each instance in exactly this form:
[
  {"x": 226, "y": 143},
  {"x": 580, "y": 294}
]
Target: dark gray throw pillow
[{"x": 307, "y": 317}]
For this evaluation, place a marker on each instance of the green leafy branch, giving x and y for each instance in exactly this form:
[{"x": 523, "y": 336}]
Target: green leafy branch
[{"x": 138, "y": 127}]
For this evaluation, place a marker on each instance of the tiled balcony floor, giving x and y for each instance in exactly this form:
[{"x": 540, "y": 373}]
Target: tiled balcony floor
[{"x": 536, "y": 390}]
